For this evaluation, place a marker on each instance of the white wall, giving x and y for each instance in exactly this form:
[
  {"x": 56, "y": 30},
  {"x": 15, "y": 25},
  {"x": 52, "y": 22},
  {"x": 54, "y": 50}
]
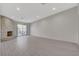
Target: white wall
[
  {"x": 62, "y": 26},
  {"x": 78, "y": 24},
  {"x": 0, "y": 28},
  {"x": 8, "y": 25}
]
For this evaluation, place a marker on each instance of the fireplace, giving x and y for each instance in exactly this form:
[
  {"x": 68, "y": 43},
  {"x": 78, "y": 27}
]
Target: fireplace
[{"x": 9, "y": 33}]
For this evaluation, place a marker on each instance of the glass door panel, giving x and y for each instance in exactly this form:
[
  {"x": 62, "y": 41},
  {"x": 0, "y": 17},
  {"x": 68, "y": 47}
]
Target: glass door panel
[{"x": 22, "y": 29}]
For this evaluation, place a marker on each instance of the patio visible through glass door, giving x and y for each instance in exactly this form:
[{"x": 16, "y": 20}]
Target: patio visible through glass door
[{"x": 22, "y": 29}]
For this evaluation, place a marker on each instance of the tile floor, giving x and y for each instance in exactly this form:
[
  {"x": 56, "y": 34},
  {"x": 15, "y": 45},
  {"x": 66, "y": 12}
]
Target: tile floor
[{"x": 36, "y": 46}]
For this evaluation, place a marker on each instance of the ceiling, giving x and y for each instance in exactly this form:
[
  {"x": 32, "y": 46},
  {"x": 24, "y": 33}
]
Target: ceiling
[{"x": 30, "y": 12}]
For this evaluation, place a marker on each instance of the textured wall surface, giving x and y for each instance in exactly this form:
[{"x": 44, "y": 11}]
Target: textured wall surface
[{"x": 8, "y": 25}]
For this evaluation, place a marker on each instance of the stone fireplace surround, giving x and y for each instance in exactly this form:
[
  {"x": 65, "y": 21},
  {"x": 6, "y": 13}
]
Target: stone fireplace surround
[{"x": 8, "y": 28}]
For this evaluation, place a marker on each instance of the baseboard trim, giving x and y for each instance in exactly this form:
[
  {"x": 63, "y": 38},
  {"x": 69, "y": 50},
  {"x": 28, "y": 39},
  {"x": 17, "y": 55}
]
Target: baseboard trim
[{"x": 55, "y": 39}]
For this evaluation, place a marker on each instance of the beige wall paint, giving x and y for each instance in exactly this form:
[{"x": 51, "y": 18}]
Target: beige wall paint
[
  {"x": 8, "y": 25},
  {"x": 62, "y": 26}
]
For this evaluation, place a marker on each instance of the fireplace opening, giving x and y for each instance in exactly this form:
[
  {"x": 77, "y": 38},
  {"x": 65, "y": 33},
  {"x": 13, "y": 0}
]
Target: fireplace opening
[{"x": 9, "y": 33}]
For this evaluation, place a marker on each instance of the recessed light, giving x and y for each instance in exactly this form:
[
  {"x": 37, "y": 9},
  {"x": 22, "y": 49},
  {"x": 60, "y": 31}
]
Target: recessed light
[
  {"x": 18, "y": 9},
  {"x": 53, "y": 8}
]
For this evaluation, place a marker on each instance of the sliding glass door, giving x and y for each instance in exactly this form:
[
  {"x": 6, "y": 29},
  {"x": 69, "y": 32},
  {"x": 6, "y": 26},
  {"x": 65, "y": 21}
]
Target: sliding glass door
[{"x": 22, "y": 29}]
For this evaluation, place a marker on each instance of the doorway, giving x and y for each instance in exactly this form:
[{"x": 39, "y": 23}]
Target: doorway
[{"x": 22, "y": 30}]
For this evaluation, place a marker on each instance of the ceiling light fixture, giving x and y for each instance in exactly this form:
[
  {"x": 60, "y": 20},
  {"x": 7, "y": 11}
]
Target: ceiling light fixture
[
  {"x": 18, "y": 9},
  {"x": 53, "y": 8}
]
